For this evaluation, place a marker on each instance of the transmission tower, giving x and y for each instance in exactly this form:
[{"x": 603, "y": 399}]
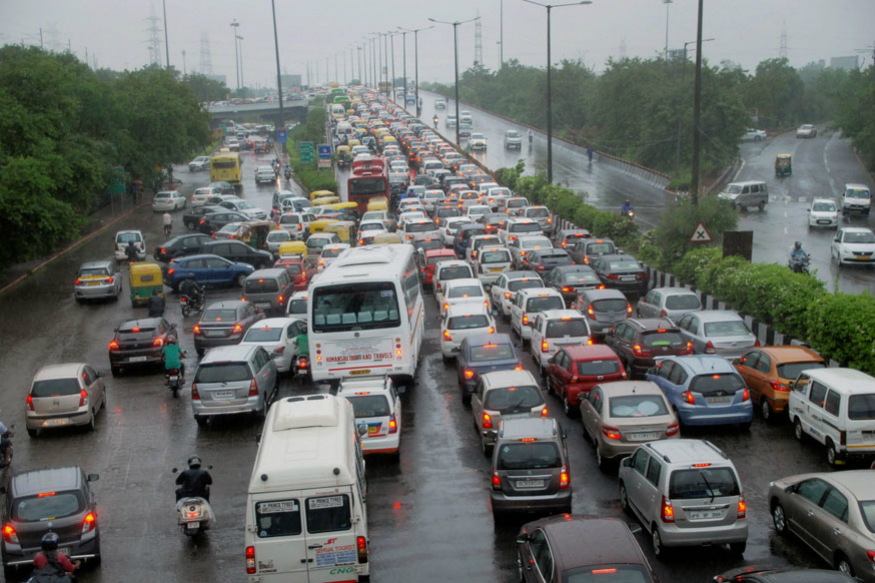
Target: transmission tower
[
  {"x": 206, "y": 66},
  {"x": 154, "y": 42},
  {"x": 478, "y": 41},
  {"x": 623, "y": 49},
  {"x": 782, "y": 50}
]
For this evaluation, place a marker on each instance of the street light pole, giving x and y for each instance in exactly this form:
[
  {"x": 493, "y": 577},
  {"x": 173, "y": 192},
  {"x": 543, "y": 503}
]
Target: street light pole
[
  {"x": 166, "y": 42},
  {"x": 550, "y": 8},
  {"x": 242, "y": 82},
  {"x": 394, "y": 96},
  {"x": 667, "y": 3},
  {"x": 677, "y": 166},
  {"x": 455, "y": 26},
  {"x": 697, "y": 110},
  {"x": 501, "y": 38},
  {"x": 234, "y": 25},
  {"x": 404, "y": 61},
  {"x": 416, "y": 32},
  {"x": 279, "y": 80}
]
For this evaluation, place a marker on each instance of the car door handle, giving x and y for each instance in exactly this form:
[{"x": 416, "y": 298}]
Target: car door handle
[
  {"x": 837, "y": 531},
  {"x": 811, "y": 513},
  {"x": 311, "y": 547}
]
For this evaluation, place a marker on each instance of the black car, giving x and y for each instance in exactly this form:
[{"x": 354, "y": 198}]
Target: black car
[
  {"x": 570, "y": 280},
  {"x": 450, "y": 181},
  {"x": 761, "y": 574},
  {"x": 543, "y": 260},
  {"x": 56, "y": 499},
  {"x": 139, "y": 343},
  {"x": 180, "y": 246},
  {"x": 191, "y": 217},
  {"x": 212, "y": 222},
  {"x": 239, "y": 252},
  {"x": 622, "y": 272},
  {"x": 493, "y": 222},
  {"x": 638, "y": 341},
  {"x": 222, "y": 188}
]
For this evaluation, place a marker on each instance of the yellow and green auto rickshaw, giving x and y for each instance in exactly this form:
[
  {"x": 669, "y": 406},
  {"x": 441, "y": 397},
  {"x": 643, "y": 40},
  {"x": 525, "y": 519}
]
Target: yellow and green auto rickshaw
[
  {"x": 146, "y": 278},
  {"x": 344, "y": 157},
  {"x": 319, "y": 226},
  {"x": 293, "y": 249},
  {"x": 254, "y": 233},
  {"x": 378, "y": 203},
  {"x": 324, "y": 201},
  {"x": 783, "y": 165},
  {"x": 345, "y": 230},
  {"x": 320, "y": 194}
]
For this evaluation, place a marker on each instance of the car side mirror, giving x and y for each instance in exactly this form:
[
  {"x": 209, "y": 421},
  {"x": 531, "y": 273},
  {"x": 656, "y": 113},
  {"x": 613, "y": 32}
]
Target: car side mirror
[
  {"x": 790, "y": 489},
  {"x": 522, "y": 539},
  {"x": 362, "y": 429},
  {"x": 626, "y": 462}
]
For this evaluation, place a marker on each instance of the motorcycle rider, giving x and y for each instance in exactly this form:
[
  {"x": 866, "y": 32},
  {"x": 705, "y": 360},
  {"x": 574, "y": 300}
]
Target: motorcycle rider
[
  {"x": 194, "y": 482},
  {"x": 49, "y": 561},
  {"x": 156, "y": 305},
  {"x": 531, "y": 135},
  {"x": 5, "y": 444},
  {"x": 193, "y": 290},
  {"x": 131, "y": 252},
  {"x": 797, "y": 256},
  {"x": 435, "y": 120},
  {"x": 173, "y": 354},
  {"x": 626, "y": 208},
  {"x": 168, "y": 223}
]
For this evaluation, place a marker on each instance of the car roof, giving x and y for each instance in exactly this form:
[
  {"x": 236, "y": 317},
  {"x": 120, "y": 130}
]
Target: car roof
[
  {"x": 627, "y": 388},
  {"x": 609, "y": 541},
  {"x": 141, "y": 323},
  {"x": 718, "y": 316},
  {"x": 228, "y": 353},
  {"x": 529, "y": 427},
  {"x": 509, "y": 378},
  {"x": 790, "y": 353},
  {"x": 28, "y": 483},
  {"x": 515, "y": 275},
  {"x": 602, "y": 294},
  {"x": 59, "y": 371},
  {"x": 462, "y": 281},
  {"x": 651, "y": 324},
  {"x": 226, "y": 304},
  {"x": 467, "y": 309},
  {"x": 850, "y": 380},
  {"x": 589, "y": 352},
  {"x": 482, "y": 339},
  {"x": 276, "y": 322},
  {"x": 559, "y": 314},
  {"x": 675, "y": 290},
  {"x": 857, "y": 481},
  {"x": 856, "y": 230},
  {"x": 269, "y": 272},
  {"x": 680, "y": 451},
  {"x": 539, "y": 291},
  {"x": 700, "y": 364},
  {"x": 95, "y": 264}
]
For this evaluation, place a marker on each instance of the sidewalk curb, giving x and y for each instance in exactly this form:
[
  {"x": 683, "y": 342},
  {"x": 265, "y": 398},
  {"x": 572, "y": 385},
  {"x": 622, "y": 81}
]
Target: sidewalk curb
[{"x": 64, "y": 251}]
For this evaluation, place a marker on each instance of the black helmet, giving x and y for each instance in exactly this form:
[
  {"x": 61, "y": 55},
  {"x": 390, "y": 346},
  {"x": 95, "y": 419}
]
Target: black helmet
[
  {"x": 50, "y": 541},
  {"x": 628, "y": 201},
  {"x": 194, "y": 462},
  {"x": 798, "y": 244}
]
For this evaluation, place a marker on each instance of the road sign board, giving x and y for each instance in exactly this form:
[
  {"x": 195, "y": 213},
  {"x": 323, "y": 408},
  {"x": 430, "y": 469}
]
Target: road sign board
[
  {"x": 117, "y": 186},
  {"x": 701, "y": 234},
  {"x": 308, "y": 151},
  {"x": 282, "y": 136},
  {"x": 324, "y": 151},
  {"x": 220, "y": 132}
]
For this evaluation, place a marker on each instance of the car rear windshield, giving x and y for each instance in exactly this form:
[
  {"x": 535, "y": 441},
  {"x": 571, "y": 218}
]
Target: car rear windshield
[
  {"x": 792, "y": 370},
  {"x": 135, "y": 333},
  {"x": 94, "y": 272},
  {"x": 529, "y": 456},
  {"x": 610, "y": 305},
  {"x": 263, "y": 334},
  {"x": 278, "y": 518},
  {"x": 524, "y": 227},
  {"x": 540, "y": 304},
  {"x": 48, "y": 506},
  {"x": 468, "y": 322},
  {"x": 638, "y": 406},
  {"x": 55, "y": 388},
  {"x": 222, "y": 372},
  {"x": 598, "y": 367},
  {"x": 581, "y": 277},
  {"x": 731, "y": 328},
  {"x": 127, "y": 237},
  {"x": 534, "y": 243},
  {"x": 261, "y": 286},
  {"x": 466, "y": 291},
  {"x": 298, "y": 306},
  {"x": 683, "y": 302},
  {"x": 624, "y": 265},
  {"x": 489, "y": 352},
  {"x": 506, "y": 400},
  {"x": 420, "y": 227},
  {"x": 290, "y": 220},
  {"x": 861, "y": 407},
  {"x": 366, "y": 406},
  {"x": 516, "y": 202},
  {"x": 600, "y": 248},
  {"x": 702, "y": 483},
  {"x": 455, "y": 272},
  {"x": 708, "y": 384},
  {"x": 661, "y": 339},
  {"x": 868, "y": 511},
  {"x": 572, "y": 328},
  {"x": 495, "y": 257},
  {"x": 330, "y": 253},
  {"x": 621, "y": 573},
  {"x": 538, "y": 213}
]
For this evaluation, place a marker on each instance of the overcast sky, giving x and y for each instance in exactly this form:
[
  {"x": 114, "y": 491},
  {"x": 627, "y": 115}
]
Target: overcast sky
[{"x": 116, "y": 32}]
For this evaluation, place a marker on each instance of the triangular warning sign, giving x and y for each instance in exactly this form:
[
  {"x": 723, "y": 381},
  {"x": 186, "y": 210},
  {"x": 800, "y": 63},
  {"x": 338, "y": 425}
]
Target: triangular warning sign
[{"x": 700, "y": 234}]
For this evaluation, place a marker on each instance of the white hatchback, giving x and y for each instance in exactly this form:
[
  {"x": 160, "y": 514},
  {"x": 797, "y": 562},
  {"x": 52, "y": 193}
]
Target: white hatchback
[
  {"x": 377, "y": 406},
  {"x": 853, "y": 245},
  {"x": 460, "y": 322},
  {"x": 823, "y": 212},
  {"x": 462, "y": 291},
  {"x": 277, "y": 336},
  {"x": 168, "y": 200}
]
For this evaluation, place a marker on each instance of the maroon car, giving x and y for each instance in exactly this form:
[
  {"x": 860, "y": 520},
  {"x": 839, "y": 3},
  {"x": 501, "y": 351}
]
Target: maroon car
[
  {"x": 574, "y": 370},
  {"x": 638, "y": 341}
]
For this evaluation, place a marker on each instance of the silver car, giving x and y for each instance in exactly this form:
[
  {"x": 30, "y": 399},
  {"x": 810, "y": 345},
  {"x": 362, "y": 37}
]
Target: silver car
[
  {"x": 231, "y": 380},
  {"x": 668, "y": 302},
  {"x": 833, "y": 513},
  {"x": 720, "y": 332},
  {"x": 64, "y": 395},
  {"x": 97, "y": 279}
]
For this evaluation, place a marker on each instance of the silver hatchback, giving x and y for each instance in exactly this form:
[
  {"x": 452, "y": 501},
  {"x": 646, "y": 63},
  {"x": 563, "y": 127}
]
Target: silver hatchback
[
  {"x": 64, "y": 395},
  {"x": 720, "y": 332},
  {"x": 231, "y": 380}
]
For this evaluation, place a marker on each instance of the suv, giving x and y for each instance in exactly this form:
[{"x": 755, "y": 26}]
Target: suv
[
  {"x": 544, "y": 260},
  {"x": 554, "y": 329},
  {"x": 56, "y": 499},
  {"x": 377, "y": 405},
  {"x": 123, "y": 239},
  {"x": 233, "y": 379},
  {"x": 639, "y": 341},
  {"x": 139, "y": 342},
  {"x": 64, "y": 395},
  {"x": 605, "y": 308},
  {"x": 239, "y": 252},
  {"x": 500, "y": 396},
  {"x": 685, "y": 492},
  {"x": 268, "y": 289},
  {"x": 530, "y": 468},
  {"x": 529, "y": 302},
  {"x": 224, "y": 323},
  {"x": 199, "y": 163}
]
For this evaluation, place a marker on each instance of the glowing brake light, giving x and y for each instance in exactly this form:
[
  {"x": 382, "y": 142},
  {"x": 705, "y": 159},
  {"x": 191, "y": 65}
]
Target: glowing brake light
[
  {"x": 639, "y": 351},
  {"x": 611, "y": 432},
  {"x": 250, "y": 560},
  {"x": 158, "y": 342},
  {"x": 545, "y": 346},
  {"x": 564, "y": 479},
  {"x": 89, "y": 522},
  {"x": 709, "y": 348},
  {"x": 469, "y": 374},
  {"x": 702, "y": 465},
  {"x": 30, "y": 402},
  {"x": 447, "y": 336},
  {"x": 742, "y": 507},
  {"x": 487, "y": 421},
  {"x": 393, "y": 424},
  {"x": 113, "y": 345},
  {"x": 745, "y": 395},
  {"x": 83, "y": 397},
  {"x": 362, "y": 549},
  {"x": 237, "y": 329},
  {"x": 196, "y": 330},
  {"x": 544, "y": 412},
  {"x": 9, "y": 534},
  {"x": 779, "y": 386},
  {"x": 667, "y": 513},
  {"x": 496, "y": 481},
  {"x": 688, "y": 349},
  {"x": 688, "y": 397}
]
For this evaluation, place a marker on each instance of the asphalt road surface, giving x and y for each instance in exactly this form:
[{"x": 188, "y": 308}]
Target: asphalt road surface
[{"x": 429, "y": 514}]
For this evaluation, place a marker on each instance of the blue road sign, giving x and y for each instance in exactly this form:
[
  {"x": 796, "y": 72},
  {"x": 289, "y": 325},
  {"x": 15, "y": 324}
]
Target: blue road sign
[
  {"x": 282, "y": 136},
  {"x": 324, "y": 151}
]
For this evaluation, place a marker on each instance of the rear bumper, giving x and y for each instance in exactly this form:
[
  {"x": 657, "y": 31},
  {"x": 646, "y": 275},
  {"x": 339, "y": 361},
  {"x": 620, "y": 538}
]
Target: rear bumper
[
  {"x": 15, "y": 556},
  {"x": 503, "y": 503},
  {"x": 97, "y": 291},
  {"x": 80, "y": 417},
  {"x": 202, "y": 342},
  {"x": 135, "y": 357},
  {"x": 251, "y": 405},
  {"x": 700, "y": 416},
  {"x": 672, "y": 536},
  {"x": 387, "y": 444}
]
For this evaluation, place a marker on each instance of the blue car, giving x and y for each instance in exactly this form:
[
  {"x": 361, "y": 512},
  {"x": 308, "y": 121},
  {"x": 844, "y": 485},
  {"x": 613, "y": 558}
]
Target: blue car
[
  {"x": 481, "y": 354},
  {"x": 210, "y": 270},
  {"x": 704, "y": 390}
]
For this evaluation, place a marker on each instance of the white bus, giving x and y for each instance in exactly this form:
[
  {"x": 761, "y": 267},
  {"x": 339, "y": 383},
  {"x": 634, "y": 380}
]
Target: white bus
[{"x": 366, "y": 315}]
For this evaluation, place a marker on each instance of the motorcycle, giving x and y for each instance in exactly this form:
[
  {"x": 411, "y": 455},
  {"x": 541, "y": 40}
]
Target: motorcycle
[
  {"x": 191, "y": 304},
  {"x": 628, "y": 214},
  {"x": 799, "y": 265},
  {"x": 167, "y": 230},
  {"x": 288, "y": 173},
  {"x": 173, "y": 380},
  {"x": 302, "y": 367},
  {"x": 195, "y": 515}
]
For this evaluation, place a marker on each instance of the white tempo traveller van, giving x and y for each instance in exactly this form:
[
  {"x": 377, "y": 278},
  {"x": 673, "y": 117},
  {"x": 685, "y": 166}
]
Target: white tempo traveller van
[{"x": 306, "y": 518}]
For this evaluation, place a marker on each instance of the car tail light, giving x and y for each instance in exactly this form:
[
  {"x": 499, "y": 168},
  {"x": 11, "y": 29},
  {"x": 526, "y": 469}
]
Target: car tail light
[
  {"x": 566, "y": 289},
  {"x": 639, "y": 351},
  {"x": 742, "y": 506},
  {"x": 672, "y": 429},
  {"x": 687, "y": 350},
  {"x": 89, "y": 522},
  {"x": 447, "y": 336},
  {"x": 446, "y": 306},
  {"x": 171, "y": 271},
  {"x": 158, "y": 342},
  {"x": 544, "y": 412},
  {"x": 756, "y": 342},
  {"x": 688, "y": 397},
  {"x": 745, "y": 395},
  {"x": 519, "y": 365},
  {"x": 779, "y": 386},
  {"x": 195, "y": 396},
  {"x": 83, "y": 397},
  {"x": 110, "y": 280},
  {"x": 507, "y": 295},
  {"x": 525, "y": 320},
  {"x": 612, "y": 276},
  {"x": 237, "y": 329},
  {"x": 253, "y": 388},
  {"x": 663, "y": 314},
  {"x": 30, "y": 402},
  {"x": 77, "y": 282},
  {"x": 496, "y": 481},
  {"x": 9, "y": 534},
  {"x": 487, "y": 421},
  {"x": 628, "y": 308},
  {"x": 362, "y": 549},
  {"x": 590, "y": 312},
  {"x": 709, "y": 348},
  {"x": 196, "y": 330},
  {"x": 667, "y": 513},
  {"x": 113, "y": 345},
  {"x": 250, "y": 560},
  {"x": 611, "y": 432},
  {"x": 469, "y": 374},
  {"x": 393, "y": 424},
  {"x": 564, "y": 479},
  {"x": 491, "y": 330},
  {"x": 545, "y": 346}
]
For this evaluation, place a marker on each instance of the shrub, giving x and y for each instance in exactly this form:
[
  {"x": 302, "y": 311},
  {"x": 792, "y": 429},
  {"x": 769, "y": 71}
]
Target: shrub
[{"x": 842, "y": 326}]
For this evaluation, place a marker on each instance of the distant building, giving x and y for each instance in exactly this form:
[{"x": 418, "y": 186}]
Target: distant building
[
  {"x": 846, "y": 63},
  {"x": 291, "y": 82}
]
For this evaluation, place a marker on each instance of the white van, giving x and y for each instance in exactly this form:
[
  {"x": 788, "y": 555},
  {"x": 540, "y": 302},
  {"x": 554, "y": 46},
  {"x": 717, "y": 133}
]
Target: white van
[
  {"x": 744, "y": 195},
  {"x": 836, "y": 407},
  {"x": 856, "y": 200},
  {"x": 306, "y": 517}
]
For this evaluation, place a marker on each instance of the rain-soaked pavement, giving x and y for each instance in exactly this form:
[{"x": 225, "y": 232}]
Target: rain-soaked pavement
[{"x": 429, "y": 514}]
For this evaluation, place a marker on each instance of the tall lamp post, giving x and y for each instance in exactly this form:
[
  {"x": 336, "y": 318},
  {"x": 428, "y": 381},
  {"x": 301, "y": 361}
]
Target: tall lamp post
[
  {"x": 415, "y": 32},
  {"x": 240, "y": 40},
  {"x": 392, "y": 36},
  {"x": 667, "y": 3},
  {"x": 683, "y": 80},
  {"x": 549, "y": 8},
  {"x": 234, "y": 25},
  {"x": 697, "y": 98},
  {"x": 279, "y": 80},
  {"x": 166, "y": 42},
  {"x": 455, "y": 26}
]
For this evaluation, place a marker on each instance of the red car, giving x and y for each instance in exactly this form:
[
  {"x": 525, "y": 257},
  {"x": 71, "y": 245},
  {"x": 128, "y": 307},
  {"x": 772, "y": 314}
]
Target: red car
[
  {"x": 295, "y": 268},
  {"x": 574, "y": 370},
  {"x": 432, "y": 258}
]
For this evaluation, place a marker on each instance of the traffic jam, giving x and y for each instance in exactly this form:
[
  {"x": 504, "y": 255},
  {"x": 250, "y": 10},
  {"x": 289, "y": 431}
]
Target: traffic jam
[{"x": 422, "y": 300}]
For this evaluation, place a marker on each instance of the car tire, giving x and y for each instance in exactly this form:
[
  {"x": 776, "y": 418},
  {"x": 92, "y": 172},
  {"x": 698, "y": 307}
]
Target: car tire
[
  {"x": 486, "y": 449},
  {"x": 766, "y": 410},
  {"x": 200, "y": 420},
  {"x": 10, "y": 572},
  {"x": 92, "y": 423},
  {"x": 603, "y": 462},
  {"x": 656, "y": 540},
  {"x": 548, "y": 385},
  {"x": 843, "y": 565},
  {"x": 200, "y": 352},
  {"x": 240, "y": 280},
  {"x": 624, "y": 499},
  {"x": 738, "y": 548},
  {"x": 32, "y": 433},
  {"x": 761, "y": 206},
  {"x": 798, "y": 431},
  {"x": 570, "y": 411},
  {"x": 832, "y": 456},
  {"x": 779, "y": 518}
]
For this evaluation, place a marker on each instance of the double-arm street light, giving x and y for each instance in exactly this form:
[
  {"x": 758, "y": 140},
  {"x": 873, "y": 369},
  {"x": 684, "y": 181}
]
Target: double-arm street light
[
  {"x": 549, "y": 8},
  {"x": 415, "y": 32},
  {"x": 455, "y": 26}
]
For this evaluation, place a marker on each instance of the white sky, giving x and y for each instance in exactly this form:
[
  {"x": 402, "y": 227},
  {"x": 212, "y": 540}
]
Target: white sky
[{"x": 745, "y": 31}]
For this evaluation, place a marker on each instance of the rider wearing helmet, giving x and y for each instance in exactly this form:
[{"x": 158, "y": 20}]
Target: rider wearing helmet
[
  {"x": 49, "y": 560},
  {"x": 194, "y": 482},
  {"x": 797, "y": 254},
  {"x": 627, "y": 207},
  {"x": 173, "y": 357},
  {"x": 5, "y": 445}
]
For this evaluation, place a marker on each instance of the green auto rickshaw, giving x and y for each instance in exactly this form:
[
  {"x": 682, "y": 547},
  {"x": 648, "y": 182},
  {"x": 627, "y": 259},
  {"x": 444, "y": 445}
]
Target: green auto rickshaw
[
  {"x": 146, "y": 277},
  {"x": 783, "y": 165}
]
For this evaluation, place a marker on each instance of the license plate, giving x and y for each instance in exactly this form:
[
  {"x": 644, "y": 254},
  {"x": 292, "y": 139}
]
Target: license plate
[
  {"x": 55, "y": 422},
  {"x": 706, "y": 515},
  {"x": 262, "y": 305},
  {"x": 864, "y": 257},
  {"x": 713, "y": 400},
  {"x": 627, "y": 279},
  {"x": 822, "y": 222},
  {"x": 496, "y": 269},
  {"x": 64, "y": 551},
  {"x": 173, "y": 379},
  {"x": 193, "y": 525},
  {"x": 213, "y": 333},
  {"x": 223, "y": 395},
  {"x": 95, "y": 282},
  {"x": 138, "y": 359},
  {"x": 530, "y": 483},
  {"x": 360, "y": 372},
  {"x": 643, "y": 436},
  {"x": 514, "y": 416}
]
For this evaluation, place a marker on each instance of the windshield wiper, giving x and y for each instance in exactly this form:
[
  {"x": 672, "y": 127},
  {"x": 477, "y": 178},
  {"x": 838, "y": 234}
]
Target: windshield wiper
[{"x": 708, "y": 484}]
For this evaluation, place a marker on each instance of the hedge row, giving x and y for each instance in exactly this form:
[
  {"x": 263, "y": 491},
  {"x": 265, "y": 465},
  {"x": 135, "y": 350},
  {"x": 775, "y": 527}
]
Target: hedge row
[{"x": 313, "y": 130}]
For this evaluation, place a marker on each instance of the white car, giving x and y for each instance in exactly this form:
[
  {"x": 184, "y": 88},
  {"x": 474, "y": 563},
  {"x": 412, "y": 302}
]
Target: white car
[
  {"x": 123, "y": 238},
  {"x": 504, "y": 289},
  {"x": 234, "y": 145},
  {"x": 477, "y": 141},
  {"x": 199, "y": 163},
  {"x": 491, "y": 262},
  {"x": 754, "y": 134},
  {"x": 806, "y": 131},
  {"x": 460, "y": 322},
  {"x": 277, "y": 336},
  {"x": 853, "y": 245},
  {"x": 276, "y": 238},
  {"x": 555, "y": 329},
  {"x": 823, "y": 212},
  {"x": 418, "y": 229},
  {"x": 246, "y": 208},
  {"x": 377, "y": 407},
  {"x": 464, "y": 291},
  {"x": 330, "y": 253},
  {"x": 169, "y": 200},
  {"x": 370, "y": 227},
  {"x": 440, "y": 103},
  {"x": 476, "y": 211},
  {"x": 265, "y": 174},
  {"x": 201, "y": 196}
]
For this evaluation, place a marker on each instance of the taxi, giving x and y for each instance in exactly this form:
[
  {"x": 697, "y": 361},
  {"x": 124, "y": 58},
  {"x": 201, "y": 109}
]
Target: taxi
[
  {"x": 376, "y": 403},
  {"x": 97, "y": 279}
]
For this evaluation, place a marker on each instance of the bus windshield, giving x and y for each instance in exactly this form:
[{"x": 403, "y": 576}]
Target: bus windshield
[
  {"x": 362, "y": 306},
  {"x": 367, "y": 186}
]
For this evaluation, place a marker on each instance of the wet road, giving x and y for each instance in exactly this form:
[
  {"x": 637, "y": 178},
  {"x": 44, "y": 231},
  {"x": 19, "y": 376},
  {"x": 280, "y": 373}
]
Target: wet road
[{"x": 429, "y": 515}]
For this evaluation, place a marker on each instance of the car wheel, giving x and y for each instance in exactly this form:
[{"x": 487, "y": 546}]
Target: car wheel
[
  {"x": 200, "y": 352},
  {"x": 656, "y": 541},
  {"x": 570, "y": 411},
  {"x": 32, "y": 433},
  {"x": 200, "y": 420},
  {"x": 798, "y": 431},
  {"x": 262, "y": 413},
  {"x": 485, "y": 448},
  {"x": 762, "y": 206},
  {"x": 240, "y": 280},
  {"x": 766, "y": 410},
  {"x": 603, "y": 462},
  {"x": 92, "y": 423},
  {"x": 115, "y": 370},
  {"x": 832, "y": 456},
  {"x": 624, "y": 499},
  {"x": 779, "y": 519},
  {"x": 549, "y": 385},
  {"x": 445, "y": 359},
  {"x": 843, "y": 565},
  {"x": 738, "y": 548}
]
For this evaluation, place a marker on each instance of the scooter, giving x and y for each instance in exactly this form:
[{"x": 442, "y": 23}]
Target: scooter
[
  {"x": 799, "y": 265},
  {"x": 195, "y": 515},
  {"x": 191, "y": 304},
  {"x": 302, "y": 367}
]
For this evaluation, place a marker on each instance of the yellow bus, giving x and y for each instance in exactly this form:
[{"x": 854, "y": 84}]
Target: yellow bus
[{"x": 225, "y": 167}]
